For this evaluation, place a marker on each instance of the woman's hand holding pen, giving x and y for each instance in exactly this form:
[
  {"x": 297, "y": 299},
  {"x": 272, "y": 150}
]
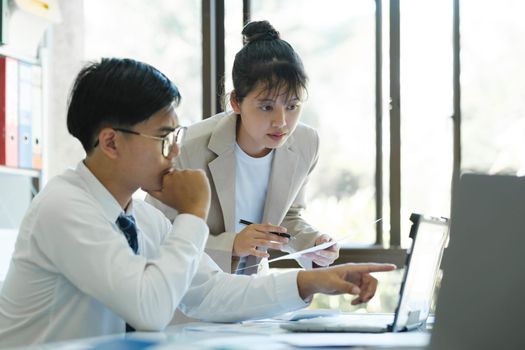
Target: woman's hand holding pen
[
  {"x": 258, "y": 235},
  {"x": 326, "y": 256}
]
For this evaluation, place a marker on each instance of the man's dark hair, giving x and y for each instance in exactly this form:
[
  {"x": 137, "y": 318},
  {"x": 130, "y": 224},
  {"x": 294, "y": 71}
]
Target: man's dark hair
[{"x": 116, "y": 92}]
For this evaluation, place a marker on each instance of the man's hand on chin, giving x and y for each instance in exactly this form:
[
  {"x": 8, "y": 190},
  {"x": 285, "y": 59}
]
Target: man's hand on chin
[{"x": 187, "y": 191}]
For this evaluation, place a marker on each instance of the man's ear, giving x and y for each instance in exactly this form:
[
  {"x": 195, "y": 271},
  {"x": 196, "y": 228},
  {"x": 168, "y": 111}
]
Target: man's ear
[
  {"x": 234, "y": 103},
  {"x": 108, "y": 143}
]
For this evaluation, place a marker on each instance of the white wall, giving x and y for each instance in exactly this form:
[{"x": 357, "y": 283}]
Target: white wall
[{"x": 66, "y": 50}]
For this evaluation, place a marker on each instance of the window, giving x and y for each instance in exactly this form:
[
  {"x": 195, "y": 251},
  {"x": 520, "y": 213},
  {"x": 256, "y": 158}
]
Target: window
[
  {"x": 426, "y": 110},
  {"x": 232, "y": 39},
  {"x": 337, "y": 45},
  {"x": 492, "y": 86},
  {"x": 164, "y": 33}
]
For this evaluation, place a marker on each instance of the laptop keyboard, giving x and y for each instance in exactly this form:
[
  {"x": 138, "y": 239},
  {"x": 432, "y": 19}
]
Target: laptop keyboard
[{"x": 366, "y": 323}]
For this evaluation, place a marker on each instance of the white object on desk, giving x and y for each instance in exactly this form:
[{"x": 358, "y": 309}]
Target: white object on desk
[
  {"x": 235, "y": 336},
  {"x": 248, "y": 327},
  {"x": 252, "y": 342},
  {"x": 404, "y": 339},
  {"x": 306, "y": 314}
]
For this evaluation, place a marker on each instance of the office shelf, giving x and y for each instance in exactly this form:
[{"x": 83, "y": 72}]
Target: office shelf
[
  {"x": 5, "y": 50},
  {"x": 17, "y": 171}
]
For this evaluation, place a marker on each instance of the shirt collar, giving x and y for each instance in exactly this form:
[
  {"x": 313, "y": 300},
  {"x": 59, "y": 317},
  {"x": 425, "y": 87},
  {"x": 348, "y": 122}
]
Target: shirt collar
[{"x": 110, "y": 207}]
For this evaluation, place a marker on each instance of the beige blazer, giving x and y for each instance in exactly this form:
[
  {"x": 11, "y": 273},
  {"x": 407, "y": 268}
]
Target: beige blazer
[{"x": 210, "y": 146}]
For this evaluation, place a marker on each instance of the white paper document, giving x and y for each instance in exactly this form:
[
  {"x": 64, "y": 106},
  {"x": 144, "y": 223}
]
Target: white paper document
[
  {"x": 309, "y": 340},
  {"x": 304, "y": 251},
  {"x": 314, "y": 249}
]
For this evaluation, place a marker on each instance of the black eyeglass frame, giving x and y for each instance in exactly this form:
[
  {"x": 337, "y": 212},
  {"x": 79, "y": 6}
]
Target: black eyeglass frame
[{"x": 175, "y": 136}]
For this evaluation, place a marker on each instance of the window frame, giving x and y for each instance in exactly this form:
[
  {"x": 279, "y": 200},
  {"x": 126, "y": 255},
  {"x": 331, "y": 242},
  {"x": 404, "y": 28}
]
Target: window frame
[{"x": 213, "y": 85}]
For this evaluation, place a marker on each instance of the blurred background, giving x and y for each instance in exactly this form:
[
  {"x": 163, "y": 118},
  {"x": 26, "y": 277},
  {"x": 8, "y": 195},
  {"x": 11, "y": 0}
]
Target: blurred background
[{"x": 406, "y": 95}]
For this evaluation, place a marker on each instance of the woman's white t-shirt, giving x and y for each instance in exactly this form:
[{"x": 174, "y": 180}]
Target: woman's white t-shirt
[{"x": 251, "y": 184}]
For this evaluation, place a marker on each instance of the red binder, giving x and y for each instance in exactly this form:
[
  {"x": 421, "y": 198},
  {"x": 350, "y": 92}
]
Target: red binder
[
  {"x": 8, "y": 111},
  {"x": 3, "y": 149}
]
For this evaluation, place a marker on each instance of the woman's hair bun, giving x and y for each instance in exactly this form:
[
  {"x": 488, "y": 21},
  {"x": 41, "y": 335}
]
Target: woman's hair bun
[{"x": 259, "y": 30}]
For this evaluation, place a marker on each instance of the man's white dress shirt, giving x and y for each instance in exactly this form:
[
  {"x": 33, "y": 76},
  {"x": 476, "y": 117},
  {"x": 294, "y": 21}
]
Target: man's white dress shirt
[{"x": 74, "y": 275}]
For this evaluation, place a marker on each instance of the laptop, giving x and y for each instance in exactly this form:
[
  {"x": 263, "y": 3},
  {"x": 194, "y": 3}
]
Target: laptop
[
  {"x": 429, "y": 237},
  {"x": 481, "y": 302}
]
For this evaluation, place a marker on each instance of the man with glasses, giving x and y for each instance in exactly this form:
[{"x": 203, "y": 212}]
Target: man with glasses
[
  {"x": 174, "y": 137},
  {"x": 90, "y": 260}
]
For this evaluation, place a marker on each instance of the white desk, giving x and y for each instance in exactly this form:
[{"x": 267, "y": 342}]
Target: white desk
[{"x": 248, "y": 335}]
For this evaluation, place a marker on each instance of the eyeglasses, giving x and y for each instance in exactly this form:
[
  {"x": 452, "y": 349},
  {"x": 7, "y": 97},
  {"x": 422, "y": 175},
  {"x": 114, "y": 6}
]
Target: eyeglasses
[{"x": 176, "y": 136}]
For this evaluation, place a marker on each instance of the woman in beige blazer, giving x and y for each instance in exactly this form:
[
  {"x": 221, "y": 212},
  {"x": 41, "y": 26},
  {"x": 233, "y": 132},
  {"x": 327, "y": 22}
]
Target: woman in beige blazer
[{"x": 269, "y": 87}]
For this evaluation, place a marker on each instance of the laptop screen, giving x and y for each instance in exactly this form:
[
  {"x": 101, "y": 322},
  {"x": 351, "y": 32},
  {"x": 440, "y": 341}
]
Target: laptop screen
[{"x": 429, "y": 238}]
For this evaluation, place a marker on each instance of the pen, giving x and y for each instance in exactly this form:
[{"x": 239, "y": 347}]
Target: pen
[{"x": 246, "y": 222}]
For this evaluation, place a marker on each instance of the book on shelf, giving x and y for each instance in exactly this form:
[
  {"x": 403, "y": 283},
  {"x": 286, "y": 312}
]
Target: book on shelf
[
  {"x": 9, "y": 111},
  {"x": 37, "y": 116},
  {"x": 21, "y": 114},
  {"x": 25, "y": 115}
]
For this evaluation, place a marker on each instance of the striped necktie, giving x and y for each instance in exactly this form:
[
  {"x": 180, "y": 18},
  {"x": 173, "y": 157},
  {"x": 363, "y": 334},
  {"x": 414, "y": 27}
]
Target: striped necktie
[{"x": 128, "y": 226}]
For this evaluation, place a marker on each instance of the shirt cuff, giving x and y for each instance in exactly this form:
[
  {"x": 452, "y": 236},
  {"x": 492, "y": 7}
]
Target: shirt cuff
[
  {"x": 288, "y": 291},
  {"x": 191, "y": 228}
]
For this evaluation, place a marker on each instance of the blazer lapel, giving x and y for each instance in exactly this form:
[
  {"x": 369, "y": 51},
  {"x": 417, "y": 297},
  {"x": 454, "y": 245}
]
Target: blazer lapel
[
  {"x": 284, "y": 168},
  {"x": 222, "y": 143}
]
